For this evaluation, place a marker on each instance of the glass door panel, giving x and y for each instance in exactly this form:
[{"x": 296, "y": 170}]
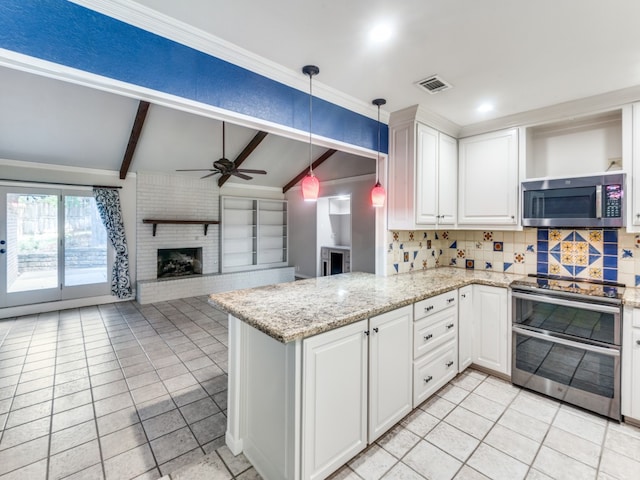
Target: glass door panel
[{"x": 85, "y": 242}]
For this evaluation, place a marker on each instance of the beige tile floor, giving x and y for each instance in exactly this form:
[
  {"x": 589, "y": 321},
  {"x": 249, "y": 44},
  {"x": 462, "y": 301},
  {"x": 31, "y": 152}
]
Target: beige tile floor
[{"x": 126, "y": 391}]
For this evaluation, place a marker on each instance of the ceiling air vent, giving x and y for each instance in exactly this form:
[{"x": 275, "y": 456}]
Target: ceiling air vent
[{"x": 434, "y": 84}]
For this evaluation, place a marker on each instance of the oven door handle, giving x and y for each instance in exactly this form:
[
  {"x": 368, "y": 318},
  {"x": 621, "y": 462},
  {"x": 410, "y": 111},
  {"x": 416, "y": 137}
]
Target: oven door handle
[
  {"x": 566, "y": 303},
  {"x": 611, "y": 352}
]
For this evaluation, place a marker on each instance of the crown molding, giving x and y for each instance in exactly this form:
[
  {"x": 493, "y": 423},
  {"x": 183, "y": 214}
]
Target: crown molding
[
  {"x": 417, "y": 113},
  {"x": 168, "y": 27}
]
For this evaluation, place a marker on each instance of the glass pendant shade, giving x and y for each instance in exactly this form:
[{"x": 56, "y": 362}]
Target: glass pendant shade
[
  {"x": 378, "y": 195},
  {"x": 310, "y": 187}
]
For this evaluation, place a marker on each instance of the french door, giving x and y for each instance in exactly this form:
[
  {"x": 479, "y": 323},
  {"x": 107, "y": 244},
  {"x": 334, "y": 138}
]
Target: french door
[{"x": 53, "y": 246}]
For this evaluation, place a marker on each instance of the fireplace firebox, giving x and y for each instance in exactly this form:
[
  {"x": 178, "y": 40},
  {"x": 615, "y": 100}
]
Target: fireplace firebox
[{"x": 179, "y": 262}]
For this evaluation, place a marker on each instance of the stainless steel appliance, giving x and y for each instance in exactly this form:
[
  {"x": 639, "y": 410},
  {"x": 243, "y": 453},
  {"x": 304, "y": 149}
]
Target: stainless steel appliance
[
  {"x": 567, "y": 341},
  {"x": 595, "y": 201}
]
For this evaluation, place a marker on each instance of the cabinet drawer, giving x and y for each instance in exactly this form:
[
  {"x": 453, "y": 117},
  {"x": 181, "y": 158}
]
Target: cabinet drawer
[
  {"x": 433, "y": 371},
  {"x": 432, "y": 305},
  {"x": 433, "y": 331}
]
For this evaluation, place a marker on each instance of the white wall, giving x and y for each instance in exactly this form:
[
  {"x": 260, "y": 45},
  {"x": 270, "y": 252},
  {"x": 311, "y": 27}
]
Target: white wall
[{"x": 303, "y": 218}]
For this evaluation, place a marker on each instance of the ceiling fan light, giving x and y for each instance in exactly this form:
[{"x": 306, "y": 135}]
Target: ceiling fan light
[
  {"x": 310, "y": 187},
  {"x": 378, "y": 195}
]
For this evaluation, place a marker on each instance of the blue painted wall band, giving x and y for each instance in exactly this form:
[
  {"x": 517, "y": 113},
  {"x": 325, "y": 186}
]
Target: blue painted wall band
[{"x": 68, "y": 34}]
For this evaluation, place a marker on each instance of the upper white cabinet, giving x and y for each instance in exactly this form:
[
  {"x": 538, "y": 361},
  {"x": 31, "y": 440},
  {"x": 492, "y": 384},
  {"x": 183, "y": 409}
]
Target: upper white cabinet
[
  {"x": 488, "y": 179},
  {"x": 491, "y": 328},
  {"x": 422, "y": 176},
  {"x": 632, "y": 132}
]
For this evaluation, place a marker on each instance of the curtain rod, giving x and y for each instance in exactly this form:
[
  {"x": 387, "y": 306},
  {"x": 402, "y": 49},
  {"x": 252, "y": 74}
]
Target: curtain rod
[{"x": 58, "y": 184}]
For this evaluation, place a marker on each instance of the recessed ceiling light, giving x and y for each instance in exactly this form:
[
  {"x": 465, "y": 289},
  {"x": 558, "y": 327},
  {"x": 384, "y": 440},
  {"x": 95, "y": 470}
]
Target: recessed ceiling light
[
  {"x": 380, "y": 33},
  {"x": 485, "y": 107}
]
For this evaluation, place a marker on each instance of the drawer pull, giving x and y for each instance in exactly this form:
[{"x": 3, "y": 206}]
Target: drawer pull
[
  {"x": 375, "y": 329},
  {"x": 463, "y": 295},
  {"x": 449, "y": 300},
  {"x": 428, "y": 379},
  {"x": 428, "y": 337},
  {"x": 366, "y": 332},
  {"x": 637, "y": 342},
  {"x": 450, "y": 326},
  {"x": 449, "y": 363},
  {"x": 429, "y": 308}
]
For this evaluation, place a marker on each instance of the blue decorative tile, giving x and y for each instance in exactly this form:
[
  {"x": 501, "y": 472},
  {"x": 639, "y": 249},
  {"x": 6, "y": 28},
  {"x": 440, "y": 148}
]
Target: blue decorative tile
[
  {"x": 470, "y": 264},
  {"x": 454, "y": 245},
  {"x": 488, "y": 266},
  {"x": 594, "y": 258},
  {"x": 570, "y": 237},
  {"x": 610, "y": 274},
  {"x": 578, "y": 237},
  {"x": 498, "y": 246},
  {"x": 530, "y": 248},
  {"x": 593, "y": 250},
  {"x": 578, "y": 269},
  {"x": 610, "y": 236},
  {"x": 543, "y": 257},
  {"x": 609, "y": 261},
  {"x": 543, "y": 246},
  {"x": 507, "y": 266},
  {"x": 637, "y": 280},
  {"x": 415, "y": 254},
  {"x": 543, "y": 268},
  {"x": 402, "y": 246},
  {"x": 556, "y": 248},
  {"x": 543, "y": 234},
  {"x": 626, "y": 253},
  {"x": 395, "y": 265},
  {"x": 557, "y": 256},
  {"x": 452, "y": 262},
  {"x": 610, "y": 249}
]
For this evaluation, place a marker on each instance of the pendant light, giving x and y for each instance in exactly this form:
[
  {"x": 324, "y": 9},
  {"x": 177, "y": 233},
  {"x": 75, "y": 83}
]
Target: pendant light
[
  {"x": 378, "y": 194},
  {"x": 310, "y": 184}
]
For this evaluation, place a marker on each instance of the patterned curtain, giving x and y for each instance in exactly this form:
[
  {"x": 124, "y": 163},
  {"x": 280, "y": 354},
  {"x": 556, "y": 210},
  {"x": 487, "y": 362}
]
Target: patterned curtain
[{"x": 108, "y": 203}]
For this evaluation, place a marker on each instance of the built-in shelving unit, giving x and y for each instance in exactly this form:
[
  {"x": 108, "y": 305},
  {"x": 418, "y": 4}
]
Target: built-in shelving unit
[
  {"x": 155, "y": 223},
  {"x": 254, "y": 233}
]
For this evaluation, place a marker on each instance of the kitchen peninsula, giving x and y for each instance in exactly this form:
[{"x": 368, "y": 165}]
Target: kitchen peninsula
[{"x": 319, "y": 368}]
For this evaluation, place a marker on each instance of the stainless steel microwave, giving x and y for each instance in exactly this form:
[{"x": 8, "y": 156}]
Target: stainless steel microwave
[{"x": 596, "y": 201}]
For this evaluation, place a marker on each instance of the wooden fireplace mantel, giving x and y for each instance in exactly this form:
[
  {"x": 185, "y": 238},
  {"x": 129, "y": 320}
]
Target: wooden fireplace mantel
[{"x": 206, "y": 223}]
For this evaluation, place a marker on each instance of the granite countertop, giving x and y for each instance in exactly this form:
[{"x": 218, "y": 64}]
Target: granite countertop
[
  {"x": 296, "y": 310},
  {"x": 631, "y": 297}
]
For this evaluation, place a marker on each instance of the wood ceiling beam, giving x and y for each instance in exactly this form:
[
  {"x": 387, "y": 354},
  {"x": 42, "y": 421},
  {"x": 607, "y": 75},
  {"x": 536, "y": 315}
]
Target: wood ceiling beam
[
  {"x": 136, "y": 130},
  {"x": 321, "y": 159},
  {"x": 244, "y": 154}
]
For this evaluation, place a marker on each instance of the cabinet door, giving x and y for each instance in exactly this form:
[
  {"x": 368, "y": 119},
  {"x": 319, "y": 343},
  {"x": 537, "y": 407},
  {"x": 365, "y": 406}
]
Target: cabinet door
[
  {"x": 635, "y": 178},
  {"x": 491, "y": 328},
  {"x": 401, "y": 211},
  {"x": 631, "y": 373},
  {"x": 447, "y": 180},
  {"x": 426, "y": 181},
  {"x": 488, "y": 188},
  {"x": 390, "y": 363},
  {"x": 465, "y": 328},
  {"x": 334, "y": 399}
]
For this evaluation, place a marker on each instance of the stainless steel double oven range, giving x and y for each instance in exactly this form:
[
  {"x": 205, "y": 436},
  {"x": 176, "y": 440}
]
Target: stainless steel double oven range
[{"x": 567, "y": 338}]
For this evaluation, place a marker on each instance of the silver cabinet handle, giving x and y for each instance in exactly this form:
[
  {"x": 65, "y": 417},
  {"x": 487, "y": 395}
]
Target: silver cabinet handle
[
  {"x": 450, "y": 326},
  {"x": 428, "y": 379},
  {"x": 449, "y": 300},
  {"x": 637, "y": 342},
  {"x": 366, "y": 332},
  {"x": 375, "y": 329},
  {"x": 449, "y": 363},
  {"x": 428, "y": 337},
  {"x": 429, "y": 308},
  {"x": 463, "y": 295}
]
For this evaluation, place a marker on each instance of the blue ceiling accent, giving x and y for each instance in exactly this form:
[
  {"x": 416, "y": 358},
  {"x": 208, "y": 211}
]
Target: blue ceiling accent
[{"x": 68, "y": 34}]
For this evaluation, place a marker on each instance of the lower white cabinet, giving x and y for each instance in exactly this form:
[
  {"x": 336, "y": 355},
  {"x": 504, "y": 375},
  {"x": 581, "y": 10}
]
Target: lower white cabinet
[
  {"x": 434, "y": 370},
  {"x": 390, "y": 342},
  {"x": 465, "y": 327},
  {"x": 631, "y": 364},
  {"x": 334, "y": 399},
  {"x": 342, "y": 369},
  {"x": 491, "y": 328}
]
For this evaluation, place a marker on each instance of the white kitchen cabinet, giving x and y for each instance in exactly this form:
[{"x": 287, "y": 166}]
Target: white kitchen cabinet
[
  {"x": 422, "y": 177},
  {"x": 488, "y": 179},
  {"x": 491, "y": 329},
  {"x": 435, "y": 344},
  {"x": 633, "y": 183},
  {"x": 465, "y": 327},
  {"x": 390, "y": 379},
  {"x": 630, "y": 382},
  {"x": 334, "y": 398},
  {"x": 357, "y": 384}
]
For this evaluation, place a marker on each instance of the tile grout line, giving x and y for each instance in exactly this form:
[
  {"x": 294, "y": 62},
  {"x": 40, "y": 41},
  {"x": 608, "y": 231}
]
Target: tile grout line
[{"x": 55, "y": 366}]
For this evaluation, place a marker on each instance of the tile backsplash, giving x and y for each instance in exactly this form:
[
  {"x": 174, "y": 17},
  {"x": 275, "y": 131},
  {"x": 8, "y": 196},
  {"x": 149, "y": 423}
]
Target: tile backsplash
[{"x": 600, "y": 254}]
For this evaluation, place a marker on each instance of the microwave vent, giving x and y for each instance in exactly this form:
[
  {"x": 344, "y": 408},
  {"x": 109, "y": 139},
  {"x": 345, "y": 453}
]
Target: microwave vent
[{"x": 434, "y": 84}]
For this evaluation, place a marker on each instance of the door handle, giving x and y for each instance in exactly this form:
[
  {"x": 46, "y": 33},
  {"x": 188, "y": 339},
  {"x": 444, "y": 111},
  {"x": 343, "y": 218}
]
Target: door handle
[{"x": 2, "y": 250}]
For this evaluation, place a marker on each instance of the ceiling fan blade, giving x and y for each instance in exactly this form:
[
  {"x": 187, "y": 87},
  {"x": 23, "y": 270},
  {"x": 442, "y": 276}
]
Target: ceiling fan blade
[
  {"x": 241, "y": 175},
  {"x": 249, "y": 170},
  {"x": 194, "y": 170},
  {"x": 210, "y": 175}
]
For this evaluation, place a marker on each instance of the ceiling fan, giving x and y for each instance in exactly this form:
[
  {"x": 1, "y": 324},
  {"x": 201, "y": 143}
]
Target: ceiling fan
[{"x": 226, "y": 167}]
